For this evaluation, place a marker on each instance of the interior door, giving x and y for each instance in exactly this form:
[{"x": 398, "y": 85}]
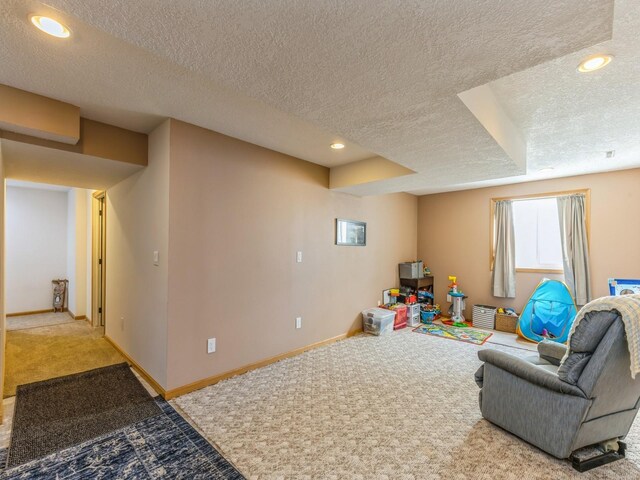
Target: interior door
[{"x": 99, "y": 260}]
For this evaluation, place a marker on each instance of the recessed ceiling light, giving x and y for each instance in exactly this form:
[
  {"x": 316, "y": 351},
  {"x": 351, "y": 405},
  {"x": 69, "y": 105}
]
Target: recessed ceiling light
[
  {"x": 594, "y": 62},
  {"x": 546, "y": 170},
  {"x": 50, "y": 26},
  {"x": 337, "y": 146}
]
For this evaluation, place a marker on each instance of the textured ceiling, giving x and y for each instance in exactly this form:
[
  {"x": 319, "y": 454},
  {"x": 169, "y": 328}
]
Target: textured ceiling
[
  {"x": 572, "y": 125},
  {"x": 383, "y": 75}
]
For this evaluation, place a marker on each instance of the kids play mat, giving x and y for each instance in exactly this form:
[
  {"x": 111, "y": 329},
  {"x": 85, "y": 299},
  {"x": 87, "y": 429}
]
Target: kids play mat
[{"x": 468, "y": 335}]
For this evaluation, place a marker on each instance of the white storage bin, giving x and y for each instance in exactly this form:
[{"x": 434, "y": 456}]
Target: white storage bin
[
  {"x": 413, "y": 309},
  {"x": 413, "y": 320},
  {"x": 378, "y": 321},
  {"x": 484, "y": 316}
]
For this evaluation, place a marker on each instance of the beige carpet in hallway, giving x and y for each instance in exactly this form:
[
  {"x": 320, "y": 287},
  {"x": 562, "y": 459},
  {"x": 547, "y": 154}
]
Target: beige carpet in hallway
[
  {"x": 23, "y": 322},
  {"x": 50, "y": 351}
]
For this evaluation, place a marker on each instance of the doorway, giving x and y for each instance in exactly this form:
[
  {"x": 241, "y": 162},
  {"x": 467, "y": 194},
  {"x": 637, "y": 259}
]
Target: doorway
[
  {"x": 98, "y": 258},
  {"x": 53, "y": 234}
]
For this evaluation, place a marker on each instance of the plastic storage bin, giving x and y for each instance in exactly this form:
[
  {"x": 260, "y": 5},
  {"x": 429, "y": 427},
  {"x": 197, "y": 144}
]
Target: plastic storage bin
[
  {"x": 401, "y": 315},
  {"x": 378, "y": 321},
  {"x": 427, "y": 316},
  {"x": 410, "y": 269},
  {"x": 413, "y": 310}
]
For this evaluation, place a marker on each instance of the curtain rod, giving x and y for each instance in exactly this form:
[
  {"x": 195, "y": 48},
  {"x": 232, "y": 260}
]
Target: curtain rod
[{"x": 543, "y": 197}]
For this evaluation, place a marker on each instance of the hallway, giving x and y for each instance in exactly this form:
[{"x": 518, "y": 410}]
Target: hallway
[{"x": 51, "y": 345}]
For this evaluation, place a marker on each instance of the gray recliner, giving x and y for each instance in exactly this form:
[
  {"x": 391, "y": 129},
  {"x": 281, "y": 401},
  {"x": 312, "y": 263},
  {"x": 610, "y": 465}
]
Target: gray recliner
[{"x": 588, "y": 399}]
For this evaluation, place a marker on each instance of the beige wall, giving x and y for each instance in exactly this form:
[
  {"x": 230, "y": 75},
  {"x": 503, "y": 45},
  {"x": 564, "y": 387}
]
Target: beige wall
[
  {"x": 238, "y": 214},
  {"x": 453, "y": 234},
  {"x": 137, "y": 225},
  {"x": 27, "y": 113},
  {"x": 2, "y": 277},
  {"x": 88, "y": 258}
]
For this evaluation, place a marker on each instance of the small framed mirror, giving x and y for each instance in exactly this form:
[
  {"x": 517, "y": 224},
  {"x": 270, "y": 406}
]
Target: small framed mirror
[{"x": 351, "y": 233}]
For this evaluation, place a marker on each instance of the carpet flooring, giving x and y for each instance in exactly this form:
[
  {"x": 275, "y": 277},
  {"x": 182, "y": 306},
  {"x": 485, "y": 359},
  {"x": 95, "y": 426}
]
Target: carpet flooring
[
  {"x": 402, "y": 406},
  {"x": 24, "y": 322},
  {"x": 161, "y": 447},
  {"x": 47, "y": 352},
  {"x": 55, "y": 414}
]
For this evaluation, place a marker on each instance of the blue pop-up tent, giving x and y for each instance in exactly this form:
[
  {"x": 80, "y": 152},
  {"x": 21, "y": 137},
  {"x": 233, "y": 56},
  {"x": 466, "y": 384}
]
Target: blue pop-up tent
[{"x": 549, "y": 313}]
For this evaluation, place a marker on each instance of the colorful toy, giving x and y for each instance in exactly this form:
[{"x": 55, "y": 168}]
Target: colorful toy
[
  {"x": 456, "y": 298},
  {"x": 429, "y": 313},
  {"x": 622, "y": 286}
]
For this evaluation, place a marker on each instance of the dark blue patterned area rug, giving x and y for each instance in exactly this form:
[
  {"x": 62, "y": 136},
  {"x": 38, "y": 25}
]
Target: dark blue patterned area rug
[{"x": 164, "y": 446}]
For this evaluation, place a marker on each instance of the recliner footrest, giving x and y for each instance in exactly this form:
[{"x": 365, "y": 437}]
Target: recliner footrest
[{"x": 586, "y": 464}]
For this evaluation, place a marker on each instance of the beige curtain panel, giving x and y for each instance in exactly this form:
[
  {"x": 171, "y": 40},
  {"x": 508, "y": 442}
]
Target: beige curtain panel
[
  {"x": 504, "y": 265},
  {"x": 575, "y": 248}
]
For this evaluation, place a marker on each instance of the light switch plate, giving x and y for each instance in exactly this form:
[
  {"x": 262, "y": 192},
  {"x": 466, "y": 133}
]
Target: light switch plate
[
  {"x": 156, "y": 257},
  {"x": 211, "y": 345},
  {"x": 298, "y": 322}
]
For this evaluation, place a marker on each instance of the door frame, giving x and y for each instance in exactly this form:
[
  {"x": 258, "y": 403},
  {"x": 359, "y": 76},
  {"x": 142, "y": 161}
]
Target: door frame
[{"x": 98, "y": 254}]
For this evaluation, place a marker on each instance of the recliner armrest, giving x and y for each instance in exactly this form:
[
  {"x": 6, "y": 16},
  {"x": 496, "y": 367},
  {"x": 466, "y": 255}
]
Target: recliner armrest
[
  {"x": 552, "y": 352},
  {"x": 529, "y": 372}
]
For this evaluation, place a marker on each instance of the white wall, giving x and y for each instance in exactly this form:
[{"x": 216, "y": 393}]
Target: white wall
[
  {"x": 137, "y": 224},
  {"x": 36, "y": 246}
]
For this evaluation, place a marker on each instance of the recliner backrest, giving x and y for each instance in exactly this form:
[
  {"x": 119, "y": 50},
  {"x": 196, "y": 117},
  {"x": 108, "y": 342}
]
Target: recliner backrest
[{"x": 584, "y": 342}]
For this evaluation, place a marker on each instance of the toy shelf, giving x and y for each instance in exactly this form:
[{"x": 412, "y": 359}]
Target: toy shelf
[{"x": 416, "y": 284}]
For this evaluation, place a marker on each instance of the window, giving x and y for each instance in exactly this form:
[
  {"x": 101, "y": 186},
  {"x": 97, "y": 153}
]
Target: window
[
  {"x": 537, "y": 234},
  {"x": 537, "y": 231}
]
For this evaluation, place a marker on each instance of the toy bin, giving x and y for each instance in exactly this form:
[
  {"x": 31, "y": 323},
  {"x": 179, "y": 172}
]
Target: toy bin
[
  {"x": 413, "y": 320},
  {"x": 401, "y": 315},
  {"x": 506, "y": 323},
  {"x": 378, "y": 321},
  {"x": 427, "y": 316},
  {"x": 484, "y": 316}
]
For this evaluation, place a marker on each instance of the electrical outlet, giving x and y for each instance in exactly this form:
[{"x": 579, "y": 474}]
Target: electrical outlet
[
  {"x": 211, "y": 345},
  {"x": 298, "y": 322},
  {"x": 379, "y": 303},
  {"x": 299, "y": 257}
]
